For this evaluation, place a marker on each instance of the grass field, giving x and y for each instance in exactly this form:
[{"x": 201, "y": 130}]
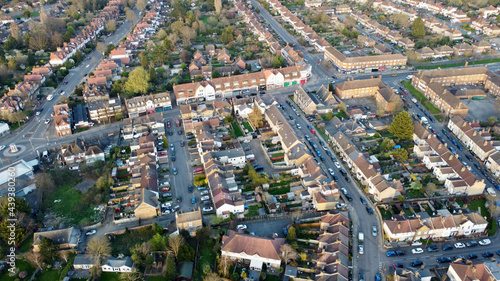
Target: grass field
[
  {"x": 252, "y": 211},
  {"x": 247, "y": 126},
  {"x": 69, "y": 205},
  {"x": 110, "y": 276},
  {"x": 23, "y": 266},
  {"x": 436, "y": 66},
  {"x": 121, "y": 244},
  {"x": 48, "y": 275},
  {"x": 237, "y": 129}
]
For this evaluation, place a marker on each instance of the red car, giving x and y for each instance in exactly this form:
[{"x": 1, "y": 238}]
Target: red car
[
  {"x": 164, "y": 189},
  {"x": 168, "y": 123},
  {"x": 197, "y": 170},
  {"x": 313, "y": 131},
  {"x": 162, "y": 153}
]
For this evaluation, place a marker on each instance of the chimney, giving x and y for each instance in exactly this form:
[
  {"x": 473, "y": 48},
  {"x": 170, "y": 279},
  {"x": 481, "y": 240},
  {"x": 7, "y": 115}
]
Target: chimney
[
  {"x": 463, "y": 169},
  {"x": 399, "y": 225},
  {"x": 370, "y": 167},
  {"x": 439, "y": 68},
  {"x": 427, "y": 127},
  {"x": 380, "y": 76},
  {"x": 451, "y": 157},
  {"x": 466, "y": 64},
  {"x": 485, "y": 142},
  {"x": 445, "y": 144}
]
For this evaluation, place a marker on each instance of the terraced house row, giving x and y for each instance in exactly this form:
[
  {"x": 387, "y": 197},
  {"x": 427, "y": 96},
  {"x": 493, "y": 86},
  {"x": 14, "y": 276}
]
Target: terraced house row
[
  {"x": 229, "y": 86},
  {"x": 446, "y": 166},
  {"x": 88, "y": 34}
]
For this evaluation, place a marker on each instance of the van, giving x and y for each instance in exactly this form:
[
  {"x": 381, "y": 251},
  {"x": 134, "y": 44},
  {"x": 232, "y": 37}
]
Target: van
[
  {"x": 361, "y": 237},
  {"x": 50, "y": 97}
]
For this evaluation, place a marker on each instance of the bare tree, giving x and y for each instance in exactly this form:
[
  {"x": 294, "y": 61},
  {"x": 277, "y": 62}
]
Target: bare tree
[
  {"x": 99, "y": 248},
  {"x": 35, "y": 259},
  {"x": 100, "y": 47},
  {"x": 224, "y": 265},
  {"x": 141, "y": 5},
  {"x": 174, "y": 38},
  {"x": 397, "y": 104},
  {"x": 56, "y": 39},
  {"x": 211, "y": 277},
  {"x": 111, "y": 26},
  {"x": 65, "y": 254},
  {"x": 175, "y": 244},
  {"x": 131, "y": 276},
  {"x": 16, "y": 117},
  {"x": 95, "y": 270},
  {"x": 15, "y": 31},
  {"x": 218, "y": 6},
  {"x": 39, "y": 38},
  {"x": 43, "y": 16},
  {"x": 130, "y": 15},
  {"x": 187, "y": 34},
  {"x": 288, "y": 253}
]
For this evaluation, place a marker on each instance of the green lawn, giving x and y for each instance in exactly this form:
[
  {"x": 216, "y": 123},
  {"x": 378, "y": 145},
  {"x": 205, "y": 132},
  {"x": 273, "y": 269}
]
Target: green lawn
[
  {"x": 35, "y": 14},
  {"x": 26, "y": 245},
  {"x": 110, "y": 276},
  {"x": 279, "y": 191},
  {"x": 204, "y": 19},
  {"x": 277, "y": 154},
  {"x": 457, "y": 64},
  {"x": 247, "y": 126},
  {"x": 70, "y": 203},
  {"x": 23, "y": 266},
  {"x": 420, "y": 97},
  {"x": 253, "y": 211},
  {"x": 237, "y": 129},
  {"x": 476, "y": 204},
  {"x": 121, "y": 244},
  {"x": 156, "y": 278},
  {"x": 208, "y": 253},
  {"x": 48, "y": 275},
  {"x": 385, "y": 214}
]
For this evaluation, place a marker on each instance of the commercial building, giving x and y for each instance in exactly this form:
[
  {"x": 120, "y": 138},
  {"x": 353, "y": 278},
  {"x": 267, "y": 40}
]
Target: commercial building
[{"x": 365, "y": 63}]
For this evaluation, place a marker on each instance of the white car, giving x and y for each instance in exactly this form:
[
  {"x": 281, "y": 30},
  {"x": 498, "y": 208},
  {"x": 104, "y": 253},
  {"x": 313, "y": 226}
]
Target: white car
[
  {"x": 37, "y": 113},
  {"x": 166, "y": 205},
  {"x": 361, "y": 249},
  {"x": 337, "y": 164},
  {"x": 208, "y": 209},
  {"x": 204, "y": 198},
  {"x": 241, "y": 226},
  {"x": 91, "y": 232},
  {"x": 47, "y": 121},
  {"x": 330, "y": 170},
  {"x": 166, "y": 212},
  {"x": 459, "y": 245},
  {"x": 485, "y": 242},
  {"x": 2, "y": 147},
  {"x": 417, "y": 251}
]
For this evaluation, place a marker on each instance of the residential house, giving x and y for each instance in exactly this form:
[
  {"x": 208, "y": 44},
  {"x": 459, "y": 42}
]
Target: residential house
[
  {"x": 190, "y": 221},
  {"x": 67, "y": 238},
  {"x": 223, "y": 56},
  {"x": 19, "y": 184},
  {"x": 253, "y": 250},
  {"x": 81, "y": 118},
  {"x": 491, "y": 30},
  {"x": 105, "y": 110},
  {"x": 146, "y": 204},
  {"x": 118, "y": 265},
  {"x": 11, "y": 103},
  {"x": 83, "y": 261},
  {"x": 62, "y": 121},
  {"x": 473, "y": 271},
  {"x": 144, "y": 105}
]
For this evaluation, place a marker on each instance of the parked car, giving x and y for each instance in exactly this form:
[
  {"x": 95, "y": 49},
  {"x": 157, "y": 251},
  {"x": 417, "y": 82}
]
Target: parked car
[
  {"x": 444, "y": 260},
  {"x": 174, "y": 171},
  {"x": 369, "y": 210},
  {"x": 488, "y": 254},
  {"x": 374, "y": 230},
  {"x": 208, "y": 209},
  {"x": 417, "y": 251},
  {"x": 485, "y": 242},
  {"x": 432, "y": 248},
  {"x": 241, "y": 226},
  {"x": 447, "y": 247},
  {"x": 91, "y": 232},
  {"x": 416, "y": 263},
  {"x": 459, "y": 245},
  {"x": 471, "y": 244}
]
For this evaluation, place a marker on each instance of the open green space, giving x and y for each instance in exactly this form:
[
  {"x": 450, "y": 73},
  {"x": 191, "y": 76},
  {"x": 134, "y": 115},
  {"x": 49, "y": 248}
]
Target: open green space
[
  {"x": 121, "y": 244},
  {"x": 247, "y": 126},
  {"x": 421, "y": 98},
  {"x": 436, "y": 66},
  {"x": 237, "y": 129},
  {"x": 111, "y": 276},
  {"x": 23, "y": 266},
  {"x": 70, "y": 206}
]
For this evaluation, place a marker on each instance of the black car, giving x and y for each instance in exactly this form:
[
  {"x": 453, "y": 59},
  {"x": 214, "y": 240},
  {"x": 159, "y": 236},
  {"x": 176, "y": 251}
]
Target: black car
[
  {"x": 433, "y": 249},
  {"x": 447, "y": 247},
  {"x": 335, "y": 178},
  {"x": 369, "y": 210},
  {"x": 179, "y": 132},
  {"x": 170, "y": 133},
  {"x": 400, "y": 253},
  {"x": 347, "y": 179},
  {"x": 477, "y": 166},
  {"x": 262, "y": 93},
  {"x": 416, "y": 263},
  {"x": 179, "y": 199},
  {"x": 349, "y": 197},
  {"x": 443, "y": 260},
  {"x": 322, "y": 158},
  {"x": 471, "y": 244},
  {"x": 468, "y": 157},
  {"x": 488, "y": 254},
  {"x": 343, "y": 172},
  {"x": 362, "y": 200},
  {"x": 190, "y": 189},
  {"x": 472, "y": 256}
]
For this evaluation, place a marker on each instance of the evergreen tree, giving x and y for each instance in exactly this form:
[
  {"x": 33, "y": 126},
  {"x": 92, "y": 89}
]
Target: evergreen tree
[
  {"x": 402, "y": 126},
  {"x": 418, "y": 28}
]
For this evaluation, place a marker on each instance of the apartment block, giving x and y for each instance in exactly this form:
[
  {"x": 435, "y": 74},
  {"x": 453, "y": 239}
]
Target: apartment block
[
  {"x": 144, "y": 105},
  {"x": 322, "y": 102},
  {"x": 366, "y": 63},
  {"x": 105, "y": 109}
]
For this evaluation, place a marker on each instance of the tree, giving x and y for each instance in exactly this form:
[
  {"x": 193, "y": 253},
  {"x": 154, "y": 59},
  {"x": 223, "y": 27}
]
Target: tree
[
  {"x": 224, "y": 265},
  {"x": 255, "y": 117},
  {"x": 218, "y": 6},
  {"x": 111, "y": 26},
  {"x": 300, "y": 2},
  {"x": 175, "y": 244},
  {"x": 99, "y": 249},
  {"x": 130, "y": 15},
  {"x": 187, "y": 34},
  {"x": 15, "y": 31},
  {"x": 35, "y": 259},
  {"x": 39, "y": 38},
  {"x": 158, "y": 242},
  {"x": 492, "y": 207},
  {"x": 16, "y": 117},
  {"x": 131, "y": 276},
  {"x": 186, "y": 253},
  {"x": 418, "y": 28},
  {"x": 138, "y": 81},
  {"x": 292, "y": 235},
  {"x": 401, "y": 20},
  {"x": 228, "y": 119},
  {"x": 400, "y": 154},
  {"x": 396, "y": 104},
  {"x": 288, "y": 253},
  {"x": 278, "y": 61},
  {"x": 227, "y": 35},
  {"x": 56, "y": 40},
  {"x": 431, "y": 188},
  {"x": 329, "y": 116},
  {"x": 402, "y": 126},
  {"x": 212, "y": 276},
  {"x": 48, "y": 248},
  {"x": 215, "y": 74},
  {"x": 43, "y": 16},
  {"x": 66, "y": 254},
  {"x": 100, "y": 47},
  {"x": 170, "y": 270},
  {"x": 141, "y": 5},
  {"x": 342, "y": 107}
]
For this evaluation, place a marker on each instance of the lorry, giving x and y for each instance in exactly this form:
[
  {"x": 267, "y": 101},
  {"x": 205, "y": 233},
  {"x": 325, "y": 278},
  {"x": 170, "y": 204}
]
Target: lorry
[
  {"x": 424, "y": 120},
  {"x": 50, "y": 97},
  {"x": 361, "y": 237}
]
